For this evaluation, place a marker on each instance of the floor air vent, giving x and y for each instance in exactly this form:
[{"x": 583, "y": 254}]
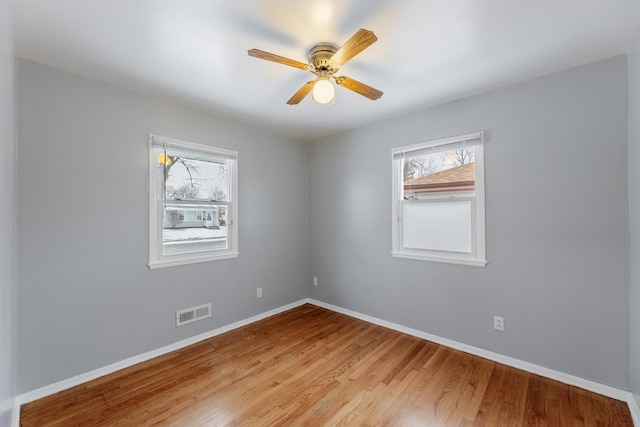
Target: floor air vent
[{"x": 193, "y": 314}]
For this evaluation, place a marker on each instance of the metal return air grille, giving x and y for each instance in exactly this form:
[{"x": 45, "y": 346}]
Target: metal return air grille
[{"x": 193, "y": 314}]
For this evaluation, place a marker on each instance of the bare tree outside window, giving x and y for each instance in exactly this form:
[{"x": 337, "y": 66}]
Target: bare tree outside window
[
  {"x": 415, "y": 167},
  {"x": 190, "y": 188},
  {"x": 184, "y": 192},
  {"x": 461, "y": 156},
  {"x": 174, "y": 218},
  {"x": 218, "y": 194},
  {"x": 170, "y": 161},
  {"x": 419, "y": 166}
]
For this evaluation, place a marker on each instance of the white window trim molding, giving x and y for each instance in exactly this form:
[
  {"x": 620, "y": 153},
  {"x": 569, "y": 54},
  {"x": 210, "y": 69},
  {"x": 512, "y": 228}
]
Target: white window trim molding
[
  {"x": 156, "y": 259},
  {"x": 478, "y": 256}
]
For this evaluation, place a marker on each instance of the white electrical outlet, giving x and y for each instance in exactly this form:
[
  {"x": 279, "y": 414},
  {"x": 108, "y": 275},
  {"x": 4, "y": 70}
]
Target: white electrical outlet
[
  {"x": 259, "y": 293},
  {"x": 315, "y": 281},
  {"x": 498, "y": 323}
]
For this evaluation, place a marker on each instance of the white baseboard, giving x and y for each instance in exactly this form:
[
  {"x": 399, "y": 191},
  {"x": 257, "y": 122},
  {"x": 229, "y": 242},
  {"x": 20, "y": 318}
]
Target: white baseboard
[
  {"x": 15, "y": 418},
  {"x": 96, "y": 373},
  {"x": 593, "y": 386},
  {"x": 525, "y": 366},
  {"x": 635, "y": 410}
]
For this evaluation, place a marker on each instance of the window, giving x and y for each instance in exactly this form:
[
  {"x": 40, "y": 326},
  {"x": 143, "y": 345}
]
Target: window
[
  {"x": 438, "y": 201},
  {"x": 193, "y": 211}
]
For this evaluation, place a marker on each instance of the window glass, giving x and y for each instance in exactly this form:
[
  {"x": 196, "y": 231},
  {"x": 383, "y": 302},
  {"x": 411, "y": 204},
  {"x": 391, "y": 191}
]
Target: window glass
[
  {"x": 194, "y": 177},
  {"x": 441, "y": 226},
  {"x": 439, "y": 171}
]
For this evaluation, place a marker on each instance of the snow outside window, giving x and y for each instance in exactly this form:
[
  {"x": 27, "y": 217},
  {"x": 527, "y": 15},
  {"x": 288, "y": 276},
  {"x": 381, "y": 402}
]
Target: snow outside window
[
  {"x": 192, "y": 203},
  {"x": 438, "y": 201}
]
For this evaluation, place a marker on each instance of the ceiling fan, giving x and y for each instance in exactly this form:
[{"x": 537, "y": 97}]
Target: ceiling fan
[{"x": 325, "y": 59}]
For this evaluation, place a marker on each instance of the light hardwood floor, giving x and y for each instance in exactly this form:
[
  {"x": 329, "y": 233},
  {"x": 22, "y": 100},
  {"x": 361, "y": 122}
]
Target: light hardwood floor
[{"x": 311, "y": 366}]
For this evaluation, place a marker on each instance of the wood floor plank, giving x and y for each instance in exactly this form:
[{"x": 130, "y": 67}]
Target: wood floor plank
[{"x": 311, "y": 366}]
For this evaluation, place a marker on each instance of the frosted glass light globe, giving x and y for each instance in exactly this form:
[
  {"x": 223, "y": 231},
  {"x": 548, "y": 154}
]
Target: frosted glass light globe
[{"x": 323, "y": 91}]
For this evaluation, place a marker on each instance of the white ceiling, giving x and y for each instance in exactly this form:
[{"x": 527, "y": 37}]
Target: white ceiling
[{"x": 428, "y": 51}]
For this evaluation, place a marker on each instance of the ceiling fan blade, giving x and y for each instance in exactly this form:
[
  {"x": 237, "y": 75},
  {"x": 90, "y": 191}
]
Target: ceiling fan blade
[
  {"x": 359, "y": 88},
  {"x": 301, "y": 93},
  {"x": 257, "y": 53},
  {"x": 361, "y": 40}
]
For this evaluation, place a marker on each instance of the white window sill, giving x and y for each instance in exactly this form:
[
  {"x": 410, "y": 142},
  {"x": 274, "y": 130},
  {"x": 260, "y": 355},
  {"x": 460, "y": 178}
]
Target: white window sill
[
  {"x": 190, "y": 260},
  {"x": 473, "y": 262}
]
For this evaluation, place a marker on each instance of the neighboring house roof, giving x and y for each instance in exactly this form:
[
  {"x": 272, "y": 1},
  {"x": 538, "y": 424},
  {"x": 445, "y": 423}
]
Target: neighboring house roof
[{"x": 458, "y": 178}]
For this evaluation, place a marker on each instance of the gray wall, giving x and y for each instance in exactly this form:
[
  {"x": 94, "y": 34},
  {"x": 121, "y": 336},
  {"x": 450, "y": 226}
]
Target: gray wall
[
  {"x": 7, "y": 216},
  {"x": 634, "y": 204},
  {"x": 86, "y": 297},
  {"x": 557, "y": 215}
]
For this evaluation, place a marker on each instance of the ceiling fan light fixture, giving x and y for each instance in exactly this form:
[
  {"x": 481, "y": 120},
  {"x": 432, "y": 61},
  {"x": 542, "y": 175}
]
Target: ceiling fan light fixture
[{"x": 323, "y": 91}]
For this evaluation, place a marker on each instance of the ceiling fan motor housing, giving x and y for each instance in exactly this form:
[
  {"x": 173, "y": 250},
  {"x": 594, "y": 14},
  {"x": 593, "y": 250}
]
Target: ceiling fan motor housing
[{"x": 319, "y": 56}]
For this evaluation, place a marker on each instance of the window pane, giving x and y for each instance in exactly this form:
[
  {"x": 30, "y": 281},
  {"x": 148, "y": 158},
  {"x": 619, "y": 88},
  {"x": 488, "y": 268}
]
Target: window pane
[
  {"x": 440, "y": 226},
  {"x": 189, "y": 229},
  {"x": 451, "y": 170},
  {"x": 193, "y": 177}
]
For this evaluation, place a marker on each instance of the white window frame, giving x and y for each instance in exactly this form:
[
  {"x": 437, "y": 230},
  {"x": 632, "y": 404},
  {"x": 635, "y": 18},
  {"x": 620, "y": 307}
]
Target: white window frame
[
  {"x": 156, "y": 205},
  {"x": 477, "y": 257}
]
